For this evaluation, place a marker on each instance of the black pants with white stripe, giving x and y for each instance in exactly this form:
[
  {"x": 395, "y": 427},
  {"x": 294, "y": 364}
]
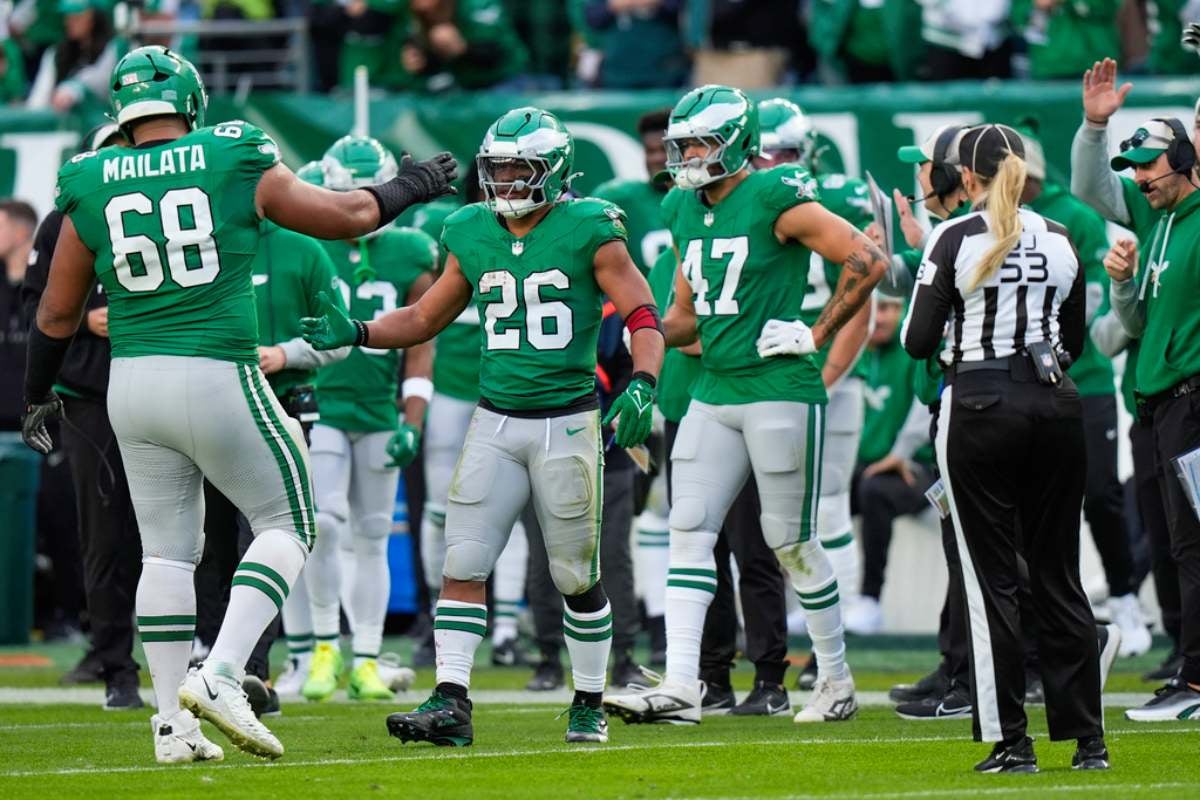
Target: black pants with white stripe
[{"x": 1012, "y": 456}]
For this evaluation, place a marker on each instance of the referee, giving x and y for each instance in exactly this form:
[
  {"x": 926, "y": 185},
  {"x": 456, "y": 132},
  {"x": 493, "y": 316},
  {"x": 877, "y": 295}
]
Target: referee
[{"x": 1011, "y": 448}]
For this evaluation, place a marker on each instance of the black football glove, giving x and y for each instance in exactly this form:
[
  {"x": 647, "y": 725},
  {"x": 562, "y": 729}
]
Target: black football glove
[{"x": 33, "y": 423}]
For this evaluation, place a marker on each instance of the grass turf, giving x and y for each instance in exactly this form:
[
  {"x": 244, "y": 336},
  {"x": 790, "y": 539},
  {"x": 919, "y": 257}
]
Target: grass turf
[{"x": 343, "y": 751}]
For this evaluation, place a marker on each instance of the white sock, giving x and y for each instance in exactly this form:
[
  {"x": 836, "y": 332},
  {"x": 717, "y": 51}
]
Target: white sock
[
  {"x": 842, "y": 552},
  {"x": 816, "y": 586},
  {"x": 691, "y": 586},
  {"x": 260, "y": 585},
  {"x": 433, "y": 545},
  {"x": 322, "y": 576},
  {"x": 297, "y": 622},
  {"x": 651, "y": 559},
  {"x": 458, "y": 628},
  {"x": 166, "y": 620},
  {"x": 508, "y": 585},
  {"x": 589, "y": 640},
  {"x": 369, "y": 594}
]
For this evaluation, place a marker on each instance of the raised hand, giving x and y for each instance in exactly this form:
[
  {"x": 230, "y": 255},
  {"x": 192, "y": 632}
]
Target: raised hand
[{"x": 1101, "y": 97}]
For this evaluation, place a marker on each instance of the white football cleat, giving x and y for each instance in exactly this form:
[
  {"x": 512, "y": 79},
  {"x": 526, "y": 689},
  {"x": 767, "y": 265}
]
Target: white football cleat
[
  {"x": 291, "y": 680},
  {"x": 178, "y": 740},
  {"x": 1126, "y": 614},
  {"x": 393, "y": 673},
  {"x": 221, "y": 701},
  {"x": 670, "y": 702},
  {"x": 830, "y": 701}
]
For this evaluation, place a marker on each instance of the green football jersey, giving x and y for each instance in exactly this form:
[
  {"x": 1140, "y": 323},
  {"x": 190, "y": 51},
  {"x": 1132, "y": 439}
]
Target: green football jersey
[
  {"x": 538, "y": 300},
  {"x": 850, "y": 199},
  {"x": 174, "y": 229},
  {"x": 741, "y": 276},
  {"x": 679, "y": 370},
  {"x": 456, "y": 349},
  {"x": 642, "y": 204},
  {"x": 289, "y": 270},
  {"x": 374, "y": 277}
]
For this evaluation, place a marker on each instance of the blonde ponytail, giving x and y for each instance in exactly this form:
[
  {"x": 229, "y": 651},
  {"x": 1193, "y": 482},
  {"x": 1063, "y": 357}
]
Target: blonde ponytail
[{"x": 1003, "y": 200}]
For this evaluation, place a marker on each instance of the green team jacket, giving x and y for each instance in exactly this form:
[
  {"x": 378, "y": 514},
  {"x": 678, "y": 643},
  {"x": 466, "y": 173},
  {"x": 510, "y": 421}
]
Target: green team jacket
[
  {"x": 1093, "y": 372},
  {"x": 890, "y": 375},
  {"x": 374, "y": 277},
  {"x": 289, "y": 270},
  {"x": 1164, "y": 293}
]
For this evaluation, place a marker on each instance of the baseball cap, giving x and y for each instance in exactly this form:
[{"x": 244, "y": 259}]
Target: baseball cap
[
  {"x": 920, "y": 153},
  {"x": 982, "y": 148},
  {"x": 1148, "y": 142}
]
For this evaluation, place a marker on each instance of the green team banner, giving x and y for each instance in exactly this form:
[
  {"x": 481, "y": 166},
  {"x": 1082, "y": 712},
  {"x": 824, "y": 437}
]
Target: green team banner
[{"x": 860, "y": 128}]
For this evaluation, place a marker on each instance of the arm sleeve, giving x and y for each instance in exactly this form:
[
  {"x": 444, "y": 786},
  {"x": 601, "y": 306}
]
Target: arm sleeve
[
  {"x": 1127, "y": 306},
  {"x": 1092, "y": 179},
  {"x": 1108, "y": 334},
  {"x": 914, "y": 434},
  {"x": 933, "y": 295},
  {"x": 1072, "y": 314}
]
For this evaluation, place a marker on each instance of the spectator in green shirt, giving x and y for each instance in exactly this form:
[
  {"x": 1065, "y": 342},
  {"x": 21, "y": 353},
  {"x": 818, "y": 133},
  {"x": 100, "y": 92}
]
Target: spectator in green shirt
[
  {"x": 864, "y": 41},
  {"x": 1066, "y": 36},
  {"x": 641, "y": 43},
  {"x": 464, "y": 44}
]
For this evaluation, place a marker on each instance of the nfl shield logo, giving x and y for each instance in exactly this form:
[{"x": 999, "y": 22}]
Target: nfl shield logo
[
  {"x": 518, "y": 247},
  {"x": 709, "y": 219}
]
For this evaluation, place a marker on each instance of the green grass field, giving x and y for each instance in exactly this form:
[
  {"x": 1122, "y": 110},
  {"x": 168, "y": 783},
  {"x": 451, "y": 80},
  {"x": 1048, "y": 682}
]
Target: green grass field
[{"x": 341, "y": 750}]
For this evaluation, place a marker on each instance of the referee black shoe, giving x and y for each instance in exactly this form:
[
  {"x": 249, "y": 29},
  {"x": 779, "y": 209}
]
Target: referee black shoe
[
  {"x": 933, "y": 685},
  {"x": 716, "y": 700},
  {"x": 1090, "y": 753},
  {"x": 766, "y": 700},
  {"x": 954, "y": 704},
  {"x": 1016, "y": 757}
]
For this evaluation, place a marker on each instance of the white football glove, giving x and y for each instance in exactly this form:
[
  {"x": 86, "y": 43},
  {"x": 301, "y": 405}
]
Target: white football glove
[
  {"x": 780, "y": 338},
  {"x": 1191, "y": 37}
]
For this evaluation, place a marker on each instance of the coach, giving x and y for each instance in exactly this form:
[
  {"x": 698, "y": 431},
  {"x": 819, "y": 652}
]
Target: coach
[{"x": 1157, "y": 305}]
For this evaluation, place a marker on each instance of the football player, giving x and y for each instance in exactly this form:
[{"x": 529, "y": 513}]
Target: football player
[
  {"x": 538, "y": 267},
  {"x": 745, "y": 240},
  {"x": 362, "y": 441},
  {"x": 170, "y": 228}
]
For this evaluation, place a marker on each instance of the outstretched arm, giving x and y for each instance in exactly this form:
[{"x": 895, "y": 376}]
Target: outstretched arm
[
  {"x": 834, "y": 239},
  {"x": 285, "y": 199}
]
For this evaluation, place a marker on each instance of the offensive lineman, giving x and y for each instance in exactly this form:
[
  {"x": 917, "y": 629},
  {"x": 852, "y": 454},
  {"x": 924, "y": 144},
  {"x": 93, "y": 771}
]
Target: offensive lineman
[
  {"x": 538, "y": 267},
  {"x": 759, "y": 402},
  {"x": 186, "y": 396}
]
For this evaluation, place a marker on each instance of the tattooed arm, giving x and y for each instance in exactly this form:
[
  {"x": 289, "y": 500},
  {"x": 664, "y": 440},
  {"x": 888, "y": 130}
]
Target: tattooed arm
[{"x": 828, "y": 235}]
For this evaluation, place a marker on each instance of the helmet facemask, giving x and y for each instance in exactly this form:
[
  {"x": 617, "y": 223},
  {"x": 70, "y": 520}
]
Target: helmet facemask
[
  {"x": 514, "y": 186},
  {"x": 695, "y": 173}
]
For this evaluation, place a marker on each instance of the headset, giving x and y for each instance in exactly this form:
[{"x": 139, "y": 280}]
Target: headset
[
  {"x": 1181, "y": 153},
  {"x": 944, "y": 177}
]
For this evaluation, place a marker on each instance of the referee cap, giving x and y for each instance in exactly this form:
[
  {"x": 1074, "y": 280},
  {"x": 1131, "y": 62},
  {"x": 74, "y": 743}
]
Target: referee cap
[{"x": 982, "y": 148}]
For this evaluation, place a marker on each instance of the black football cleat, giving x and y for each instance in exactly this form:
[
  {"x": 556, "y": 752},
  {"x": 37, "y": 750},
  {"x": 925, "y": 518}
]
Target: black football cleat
[{"x": 445, "y": 721}]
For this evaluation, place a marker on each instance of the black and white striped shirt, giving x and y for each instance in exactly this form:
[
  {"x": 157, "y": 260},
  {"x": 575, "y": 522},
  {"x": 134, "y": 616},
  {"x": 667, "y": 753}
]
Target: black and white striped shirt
[{"x": 1036, "y": 296}]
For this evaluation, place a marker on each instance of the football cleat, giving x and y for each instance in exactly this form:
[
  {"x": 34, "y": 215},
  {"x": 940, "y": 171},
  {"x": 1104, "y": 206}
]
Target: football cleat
[
  {"x": 1090, "y": 753},
  {"x": 178, "y": 740},
  {"x": 671, "y": 702},
  {"x": 830, "y": 701},
  {"x": 1016, "y": 758},
  {"x": 1175, "y": 700},
  {"x": 365, "y": 683},
  {"x": 393, "y": 673},
  {"x": 323, "y": 672},
  {"x": 766, "y": 700},
  {"x": 221, "y": 701},
  {"x": 586, "y": 724},
  {"x": 445, "y": 721},
  {"x": 291, "y": 681}
]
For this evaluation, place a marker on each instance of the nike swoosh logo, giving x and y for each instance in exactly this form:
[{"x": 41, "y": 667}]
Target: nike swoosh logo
[
  {"x": 191, "y": 746},
  {"x": 211, "y": 694},
  {"x": 774, "y": 709},
  {"x": 573, "y": 431}
]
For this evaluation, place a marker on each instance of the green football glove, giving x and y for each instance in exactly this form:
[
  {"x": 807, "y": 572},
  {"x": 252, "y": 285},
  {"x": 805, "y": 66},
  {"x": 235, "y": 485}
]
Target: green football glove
[
  {"x": 634, "y": 411},
  {"x": 403, "y": 445},
  {"x": 333, "y": 329}
]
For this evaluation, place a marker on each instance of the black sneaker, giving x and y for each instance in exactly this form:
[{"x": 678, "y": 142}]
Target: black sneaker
[
  {"x": 626, "y": 673},
  {"x": 1168, "y": 669},
  {"x": 88, "y": 670},
  {"x": 933, "y": 685},
  {"x": 954, "y": 704},
  {"x": 121, "y": 694},
  {"x": 507, "y": 654},
  {"x": 1035, "y": 693},
  {"x": 1017, "y": 757},
  {"x": 765, "y": 700},
  {"x": 442, "y": 720},
  {"x": 262, "y": 697},
  {"x": 1090, "y": 754},
  {"x": 808, "y": 676},
  {"x": 547, "y": 676},
  {"x": 716, "y": 700}
]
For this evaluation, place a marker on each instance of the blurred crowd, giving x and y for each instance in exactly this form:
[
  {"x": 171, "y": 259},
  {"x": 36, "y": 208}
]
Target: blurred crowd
[{"x": 54, "y": 53}]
